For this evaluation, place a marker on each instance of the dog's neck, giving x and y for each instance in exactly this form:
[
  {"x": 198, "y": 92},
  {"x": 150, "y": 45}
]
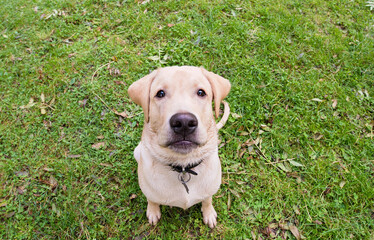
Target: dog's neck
[
  {"x": 185, "y": 172},
  {"x": 188, "y": 168}
]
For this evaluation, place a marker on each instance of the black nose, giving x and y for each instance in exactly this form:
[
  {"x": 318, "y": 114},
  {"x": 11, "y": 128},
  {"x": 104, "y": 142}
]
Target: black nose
[{"x": 183, "y": 123}]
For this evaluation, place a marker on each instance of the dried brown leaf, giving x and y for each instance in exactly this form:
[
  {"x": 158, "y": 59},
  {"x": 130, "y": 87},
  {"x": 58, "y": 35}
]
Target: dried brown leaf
[
  {"x": 42, "y": 98},
  {"x": 265, "y": 127},
  {"x": 334, "y": 103},
  {"x": 327, "y": 191},
  {"x": 317, "y": 222},
  {"x": 119, "y": 82},
  {"x": 53, "y": 182},
  {"x": 106, "y": 164},
  {"x": 29, "y": 105},
  {"x": 295, "y": 232},
  {"x": 9, "y": 215},
  {"x": 235, "y": 193},
  {"x": 98, "y": 145},
  {"x": 296, "y": 210},
  {"x": 317, "y": 136},
  {"x": 317, "y": 100},
  {"x": 21, "y": 190},
  {"x": 82, "y": 103},
  {"x": 3, "y": 203},
  {"x": 22, "y": 173},
  {"x": 122, "y": 114}
]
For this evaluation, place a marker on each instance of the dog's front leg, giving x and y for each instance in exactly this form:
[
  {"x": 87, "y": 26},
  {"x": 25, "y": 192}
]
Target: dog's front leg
[
  {"x": 209, "y": 214},
  {"x": 153, "y": 212}
]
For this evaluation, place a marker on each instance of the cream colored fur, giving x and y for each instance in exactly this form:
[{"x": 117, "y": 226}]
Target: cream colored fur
[{"x": 157, "y": 180}]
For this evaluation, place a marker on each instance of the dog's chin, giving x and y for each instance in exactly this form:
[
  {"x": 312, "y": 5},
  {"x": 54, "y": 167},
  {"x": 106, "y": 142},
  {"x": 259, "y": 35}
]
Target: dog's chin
[{"x": 183, "y": 146}]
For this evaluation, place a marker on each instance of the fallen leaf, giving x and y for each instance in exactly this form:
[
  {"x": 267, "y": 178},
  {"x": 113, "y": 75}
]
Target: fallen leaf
[
  {"x": 341, "y": 184},
  {"x": 53, "y": 182},
  {"x": 253, "y": 235},
  {"x": 106, "y": 164},
  {"x": 42, "y": 110},
  {"x": 74, "y": 156},
  {"x": 317, "y": 222},
  {"x": 265, "y": 127},
  {"x": 83, "y": 102},
  {"x": 9, "y": 215},
  {"x": 370, "y": 135},
  {"x": 317, "y": 136},
  {"x": 295, "y": 232},
  {"x": 42, "y": 98},
  {"x": 283, "y": 167},
  {"x": 3, "y": 203},
  {"x": 48, "y": 169},
  {"x": 98, "y": 145},
  {"x": 317, "y": 100},
  {"x": 154, "y": 58},
  {"x": 327, "y": 191},
  {"x": 21, "y": 190},
  {"x": 235, "y": 115},
  {"x": 296, "y": 210},
  {"x": 52, "y": 101},
  {"x": 170, "y": 24},
  {"x": 119, "y": 82},
  {"x": 228, "y": 202},
  {"x": 366, "y": 93},
  {"x": 114, "y": 72},
  {"x": 296, "y": 164},
  {"x": 284, "y": 226},
  {"x": 241, "y": 182},
  {"x": 133, "y": 196},
  {"x": 100, "y": 137},
  {"x": 122, "y": 114},
  {"x": 334, "y": 103},
  {"x": 235, "y": 193},
  {"x": 22, "y": 173},
  {"x": 29, "y": 105}
]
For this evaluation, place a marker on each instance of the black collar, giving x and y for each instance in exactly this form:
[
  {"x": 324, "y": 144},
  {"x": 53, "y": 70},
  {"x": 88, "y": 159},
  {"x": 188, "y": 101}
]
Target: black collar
[
  {"x": 186, "y": 169},
  {"x": 185, "y": 172}
]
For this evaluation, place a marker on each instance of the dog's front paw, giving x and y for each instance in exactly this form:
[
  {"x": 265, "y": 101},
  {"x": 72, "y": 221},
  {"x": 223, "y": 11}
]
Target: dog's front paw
[
  {"x": 209, "y": 216},
  {"x": 153, "y": 213}
]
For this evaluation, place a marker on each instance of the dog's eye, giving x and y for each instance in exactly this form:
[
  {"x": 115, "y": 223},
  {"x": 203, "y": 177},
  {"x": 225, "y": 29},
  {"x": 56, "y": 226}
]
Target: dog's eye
[
  {"x": 160, "y": 94},
  {"x": 201, "y": 93}
]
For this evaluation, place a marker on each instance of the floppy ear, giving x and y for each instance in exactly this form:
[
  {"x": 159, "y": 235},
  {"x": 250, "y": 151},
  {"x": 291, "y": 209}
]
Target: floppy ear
[
  {"x": 139, "y": 92},
  {"x": 220, "y": 87}
]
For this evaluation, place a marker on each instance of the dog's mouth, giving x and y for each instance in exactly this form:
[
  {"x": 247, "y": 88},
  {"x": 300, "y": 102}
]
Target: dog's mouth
[{"x": 182, "y": 146}]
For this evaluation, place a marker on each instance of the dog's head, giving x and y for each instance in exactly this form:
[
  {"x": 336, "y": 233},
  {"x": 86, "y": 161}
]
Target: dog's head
[{"x": 177, "y": 105}]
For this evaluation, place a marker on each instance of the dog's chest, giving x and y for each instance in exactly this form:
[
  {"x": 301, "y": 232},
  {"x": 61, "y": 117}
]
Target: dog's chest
[{"x": 162, "y": 185}]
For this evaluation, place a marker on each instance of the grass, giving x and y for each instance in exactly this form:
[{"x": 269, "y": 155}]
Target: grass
[{"x": 297, "y": 152}]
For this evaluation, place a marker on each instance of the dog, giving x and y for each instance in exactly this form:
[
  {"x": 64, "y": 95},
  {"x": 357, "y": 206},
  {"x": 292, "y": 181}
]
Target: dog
[{"x": 178, "y": 163}]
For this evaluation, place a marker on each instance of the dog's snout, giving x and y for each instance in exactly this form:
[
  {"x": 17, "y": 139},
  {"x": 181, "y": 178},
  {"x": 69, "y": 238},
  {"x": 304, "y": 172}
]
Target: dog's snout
[{"x": 183, "y": 123}]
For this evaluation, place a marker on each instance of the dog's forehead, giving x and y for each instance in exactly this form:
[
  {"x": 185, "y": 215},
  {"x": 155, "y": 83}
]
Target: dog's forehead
[{"x": 181, "y": 78}]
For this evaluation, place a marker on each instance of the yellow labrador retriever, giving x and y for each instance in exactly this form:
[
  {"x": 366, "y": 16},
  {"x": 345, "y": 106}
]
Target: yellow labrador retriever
[{"x": 177, "y": 157}]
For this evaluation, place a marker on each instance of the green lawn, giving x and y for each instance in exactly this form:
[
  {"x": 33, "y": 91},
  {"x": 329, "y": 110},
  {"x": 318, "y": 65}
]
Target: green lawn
[{"x": 297, "y": 152}]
